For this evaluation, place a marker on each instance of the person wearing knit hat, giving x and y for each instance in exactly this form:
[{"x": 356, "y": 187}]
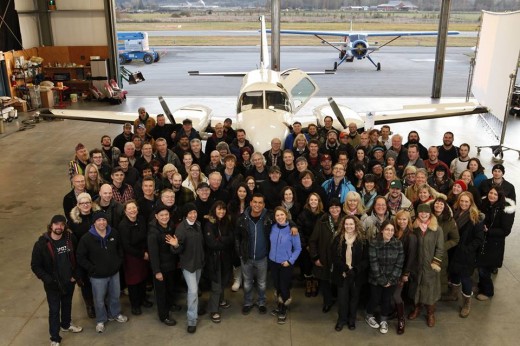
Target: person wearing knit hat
[
  {"x": 100, "y": 254},
  {"x": 430, "y": 251},
  {"x": 462, "y": 184},
  {"x": 80, "y": 161},
  {"x": 497, "y": 179},
  {"x": 188, "y": 243}
]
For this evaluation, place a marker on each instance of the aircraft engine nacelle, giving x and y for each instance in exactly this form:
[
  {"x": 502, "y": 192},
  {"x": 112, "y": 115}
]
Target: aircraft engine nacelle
[{"x": 359, "y": 49}]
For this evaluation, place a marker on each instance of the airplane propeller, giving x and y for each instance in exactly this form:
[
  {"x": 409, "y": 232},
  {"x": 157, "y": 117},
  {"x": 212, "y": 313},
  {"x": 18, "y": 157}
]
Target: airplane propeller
[{"x": 337, "y": 112}]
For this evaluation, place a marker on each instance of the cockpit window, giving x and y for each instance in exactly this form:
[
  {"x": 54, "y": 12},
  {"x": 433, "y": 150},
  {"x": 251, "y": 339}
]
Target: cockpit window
[
  {"x": 277, "y": 100},
  {"x": 252, "y": 100},
  {"x": 302, "y": 91}
]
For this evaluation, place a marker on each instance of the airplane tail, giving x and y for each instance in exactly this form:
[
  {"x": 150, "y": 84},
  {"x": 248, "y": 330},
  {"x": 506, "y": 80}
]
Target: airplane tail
[{"x": 264, "y": 49}]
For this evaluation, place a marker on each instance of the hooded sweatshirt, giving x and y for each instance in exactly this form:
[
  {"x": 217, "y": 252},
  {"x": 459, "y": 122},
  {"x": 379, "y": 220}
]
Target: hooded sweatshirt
[{"x": 100, "y": 256}]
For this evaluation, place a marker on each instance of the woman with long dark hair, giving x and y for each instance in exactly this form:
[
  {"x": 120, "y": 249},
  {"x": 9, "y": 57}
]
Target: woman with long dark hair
[
  {"x": 499, "y": 214},
  {"x": 219, "y": 240},
  {"x": 290, "y": 202},
  {"x": 134, "y": 236},
  {"x": 349, "y": 254}
]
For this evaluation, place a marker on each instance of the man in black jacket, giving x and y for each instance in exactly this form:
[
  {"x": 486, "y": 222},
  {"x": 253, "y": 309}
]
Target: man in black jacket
[
  {"x": 100, "y": 253},
  {"x": 53, "y": 261}
]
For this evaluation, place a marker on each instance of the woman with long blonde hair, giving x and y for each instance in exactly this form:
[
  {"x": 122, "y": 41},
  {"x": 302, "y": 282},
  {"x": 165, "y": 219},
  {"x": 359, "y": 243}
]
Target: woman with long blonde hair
[
  {"x": 195, "y": 177},
  {"x": 471, "y": 230}
]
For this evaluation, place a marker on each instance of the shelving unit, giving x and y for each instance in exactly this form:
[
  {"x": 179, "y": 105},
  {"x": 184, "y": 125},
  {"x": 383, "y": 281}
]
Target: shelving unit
[
  {"x": 76, "y": 78},
  {"x": 25, "y": 76}
]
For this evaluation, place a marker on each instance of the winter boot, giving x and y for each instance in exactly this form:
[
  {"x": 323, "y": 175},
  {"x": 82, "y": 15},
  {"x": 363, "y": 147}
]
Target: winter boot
[
  {"x": 466, "y": 306},
  {"x": 315, "y": 287},
  {"x": 400, "y": 318},
  {"x": 452, "y": 295},
  {"x": 308, "y": 287},
  {"x": 416, "y": 312},
  {"x": 430, "y": 315},
  {"x": 237, "y": 279}
]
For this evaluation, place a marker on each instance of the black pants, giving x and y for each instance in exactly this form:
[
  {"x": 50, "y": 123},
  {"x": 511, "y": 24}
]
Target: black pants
[
  {"x": 282, "y": 277},
  {"x": 137, "y": 294},
  {"x": 222, "y": 275},
  {"x": 164, "y": 294},
  {"x": 348, "y": 299},
  {"x": 305, "y": 262},
  {"x": 326, "y": 288},
  {"x": 60, "y": 306},
  {"x": 380, "y": 295}
]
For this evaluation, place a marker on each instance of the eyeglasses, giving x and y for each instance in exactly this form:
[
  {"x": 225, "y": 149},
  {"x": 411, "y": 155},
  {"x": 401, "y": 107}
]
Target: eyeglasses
[
  {"x": 85, "y": 203},
  {"x": 125, "y": 161}
]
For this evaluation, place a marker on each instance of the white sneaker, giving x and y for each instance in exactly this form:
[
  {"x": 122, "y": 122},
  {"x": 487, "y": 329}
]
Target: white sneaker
[
  {"x": 55, "y": 343},
  {"x": 371, "y": 321},
  {"x": 72, "y": 328},
  {"x": 383, "y": 328},
  {"x": 119, "y": 318},
  {"x": 100, "y": 327}
]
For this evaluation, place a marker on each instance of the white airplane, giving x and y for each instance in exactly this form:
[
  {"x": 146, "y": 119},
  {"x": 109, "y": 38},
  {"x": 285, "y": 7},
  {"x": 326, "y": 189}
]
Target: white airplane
[
  {"x": 268, "y": 102},
  {"x": 355, "y": 44}
]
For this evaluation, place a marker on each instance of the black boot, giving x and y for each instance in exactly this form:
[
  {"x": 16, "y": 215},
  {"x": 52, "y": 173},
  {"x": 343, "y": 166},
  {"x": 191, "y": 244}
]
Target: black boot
[
  {"x": 282, "y": 313},
  {"x": 89, "y": 304}
]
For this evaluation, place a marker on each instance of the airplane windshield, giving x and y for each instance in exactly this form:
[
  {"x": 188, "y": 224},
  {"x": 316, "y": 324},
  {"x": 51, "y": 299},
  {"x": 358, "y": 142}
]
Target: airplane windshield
[
  {"x": 277, "y": 100},
  {"x": 252, "y": 100},
  {"x": 357, "y": 37}
]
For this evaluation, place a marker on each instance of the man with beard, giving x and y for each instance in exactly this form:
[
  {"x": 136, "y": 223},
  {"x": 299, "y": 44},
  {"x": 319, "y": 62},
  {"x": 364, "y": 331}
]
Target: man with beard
[
  {"x": 163, "y": 130},
  {"x": 396, "y": 200},
  {"x": 183, "y": 195},
  {"x": 80, "y": 161},
  {"x": 54, "y": 262},
  {"x": 413, "y": 138},
  {"x": 217, "y": 137},
  {"x": 433, "y": 161},
  {"x": 460, "y": 163},
  {"x": 326, "y": 166},
  {"x": 183, "y": 145},
  {"x": 228, "y": 129},
  {"x": 124, "y": 137},
  {"x": 240, "y": 142},
  {"x": 110, "y": 153},
  {"x": 447, "y": 151},
  {"x": 331, "y": 145},
  {"x": 345, "y": 146},
  {"x": 144, "y": 119}
]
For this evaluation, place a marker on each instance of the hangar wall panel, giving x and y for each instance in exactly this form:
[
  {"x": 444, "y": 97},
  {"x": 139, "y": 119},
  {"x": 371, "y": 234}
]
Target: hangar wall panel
[
  {"x": 81, "y": 28},
  {"x": 29, "y": 29}
]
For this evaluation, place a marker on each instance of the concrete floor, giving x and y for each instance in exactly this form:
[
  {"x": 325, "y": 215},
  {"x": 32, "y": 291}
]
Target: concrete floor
[{"x": 33, "y": 167}]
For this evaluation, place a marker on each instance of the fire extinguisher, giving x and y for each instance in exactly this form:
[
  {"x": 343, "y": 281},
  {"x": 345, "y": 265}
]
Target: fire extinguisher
[
  {"x": 52, "y": 5},
  {"x": 13, "y": 80}
]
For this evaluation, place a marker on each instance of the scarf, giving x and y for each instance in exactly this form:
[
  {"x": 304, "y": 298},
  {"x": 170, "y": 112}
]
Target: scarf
[
  {"x": 348, "y": 253},
  {"x": 424, "y": 227},
  {"x": 461, "y": 218},
  {"x": 287, "y": 205}
]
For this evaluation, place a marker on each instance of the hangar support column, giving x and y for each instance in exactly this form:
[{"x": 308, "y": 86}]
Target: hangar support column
[{"x": 441, "y": 49}]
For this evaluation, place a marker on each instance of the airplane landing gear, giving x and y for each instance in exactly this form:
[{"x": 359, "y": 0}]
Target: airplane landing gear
[
  {"x": 378, "y": 67},
  {"x": 335, "y": 65}
]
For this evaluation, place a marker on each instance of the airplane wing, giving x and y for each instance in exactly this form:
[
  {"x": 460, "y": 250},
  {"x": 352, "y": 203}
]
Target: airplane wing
[
  {"x": 368, "y": 33},
  {"x": 221, "y": 74}
]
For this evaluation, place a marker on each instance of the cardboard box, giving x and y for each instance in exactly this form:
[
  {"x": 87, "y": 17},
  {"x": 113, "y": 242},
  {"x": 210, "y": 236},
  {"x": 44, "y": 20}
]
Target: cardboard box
[
  {"x": 21, "y": 106},
  {"x": 47, "y": 98}
]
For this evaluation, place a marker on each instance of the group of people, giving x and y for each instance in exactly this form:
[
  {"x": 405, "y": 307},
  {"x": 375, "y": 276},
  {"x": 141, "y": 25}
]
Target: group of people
[{"x": 367, "y": 219}]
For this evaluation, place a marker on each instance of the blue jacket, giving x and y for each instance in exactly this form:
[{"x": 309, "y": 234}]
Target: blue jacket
[
  {"x": 284, "y": 246},
  {"x": 344, "y": 187}
]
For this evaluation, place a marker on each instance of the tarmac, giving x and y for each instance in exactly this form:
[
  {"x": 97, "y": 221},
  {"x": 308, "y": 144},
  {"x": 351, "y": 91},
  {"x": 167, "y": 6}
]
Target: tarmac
[{"x": 33, "y": 167}]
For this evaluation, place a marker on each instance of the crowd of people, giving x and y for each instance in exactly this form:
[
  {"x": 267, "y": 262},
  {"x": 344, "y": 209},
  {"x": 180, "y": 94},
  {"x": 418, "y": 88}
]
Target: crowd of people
[{"x": 367, "y": 219}]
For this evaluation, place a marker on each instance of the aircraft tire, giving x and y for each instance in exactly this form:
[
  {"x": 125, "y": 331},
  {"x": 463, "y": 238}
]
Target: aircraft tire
[
  {"x": 157, "y": 59},
  {"x": 379, "y": 66}
]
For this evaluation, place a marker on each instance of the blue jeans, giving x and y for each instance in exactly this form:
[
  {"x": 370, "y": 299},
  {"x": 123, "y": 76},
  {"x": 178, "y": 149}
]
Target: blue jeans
[
  {"x": 59, "y": 303},
  {"x": 250, "y": 270},
  {"x": 192, "y": 281},
  {"x": 106, "y": 290}
]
